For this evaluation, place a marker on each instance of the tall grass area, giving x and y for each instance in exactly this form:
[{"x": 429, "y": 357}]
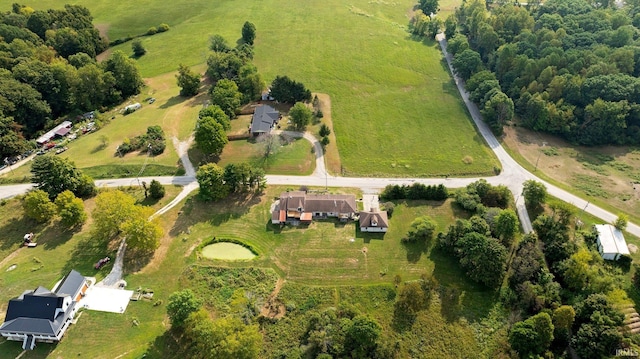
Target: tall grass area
[{"x": 395, "y": 109}]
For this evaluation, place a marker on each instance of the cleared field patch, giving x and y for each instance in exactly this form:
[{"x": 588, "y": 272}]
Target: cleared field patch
[{"x": 607, "y": 176}]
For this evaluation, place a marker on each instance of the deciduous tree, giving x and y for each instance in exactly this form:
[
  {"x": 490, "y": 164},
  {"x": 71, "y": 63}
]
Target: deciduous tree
[
  {"x": 300, "y": 116},
  {"x": 188, "y": 81},
  {"x": 226, "y": 95},
  {"x": 70, "y": 209},
  {"x": 534, "y": 193},
  {"x": 248, "y": 32},
  {"x": 422, "y": 230},
  {"x": 210, "y": 136},
  {"x": 361, "y": 337},
  {"x": 141, "y": 234},
  {"x": 211, "y": 180},
  {"x": 112, "y": 209},
  {"x": 38, "y": 206},
  {"x": 181, "y": 304}
]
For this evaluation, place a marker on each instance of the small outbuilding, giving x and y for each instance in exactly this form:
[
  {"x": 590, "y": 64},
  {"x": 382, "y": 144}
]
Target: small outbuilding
[
  {"x": 611, "y": 243},
  {"x": 374, "y": 221}
]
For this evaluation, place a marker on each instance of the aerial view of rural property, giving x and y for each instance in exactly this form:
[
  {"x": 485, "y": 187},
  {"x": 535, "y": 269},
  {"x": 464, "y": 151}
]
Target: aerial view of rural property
[{"x": 319, "y": 179}]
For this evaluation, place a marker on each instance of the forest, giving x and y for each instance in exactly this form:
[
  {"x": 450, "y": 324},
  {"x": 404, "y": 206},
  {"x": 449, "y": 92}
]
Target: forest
[
  {"x": 48, "y": 70},
  {"x": 569, "y": 68}
]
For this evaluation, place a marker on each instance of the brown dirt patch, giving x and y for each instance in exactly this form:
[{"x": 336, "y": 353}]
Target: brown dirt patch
[
  {"x": 274, "y": 308},
  {"x": 103, "y": 29},
  {"x": 632, "y": 248}
]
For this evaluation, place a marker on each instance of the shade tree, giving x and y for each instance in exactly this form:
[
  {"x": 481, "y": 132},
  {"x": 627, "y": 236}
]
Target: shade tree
[
  {"x": 70, "y": 209},
  {"x": 188, "y": 81},
  {"x": 300, "y": 116},
  {"x": 211, "y": 180},
  {"x": 54, "y": 175},
  {"x": 38, "y": 206},
  {"x": 226, "y": 95}
]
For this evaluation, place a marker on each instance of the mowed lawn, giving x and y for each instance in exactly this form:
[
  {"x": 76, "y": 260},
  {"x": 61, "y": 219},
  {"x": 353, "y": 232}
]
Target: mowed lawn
[{"x": 395, "y": 109}]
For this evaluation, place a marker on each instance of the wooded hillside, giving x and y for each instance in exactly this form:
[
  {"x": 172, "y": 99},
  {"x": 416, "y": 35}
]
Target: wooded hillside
[{"x": 569, "y": 67}]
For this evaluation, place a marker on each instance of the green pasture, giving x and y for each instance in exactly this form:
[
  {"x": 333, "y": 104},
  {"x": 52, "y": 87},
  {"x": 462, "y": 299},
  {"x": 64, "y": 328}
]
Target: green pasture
[{"x": 396, "y": 111}]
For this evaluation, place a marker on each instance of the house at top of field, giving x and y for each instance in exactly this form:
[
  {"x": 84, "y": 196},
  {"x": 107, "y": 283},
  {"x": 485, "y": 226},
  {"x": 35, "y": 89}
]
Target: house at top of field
[
  {"x": 300, "y": 207},
  {"x": 374, "y": 221},
  {"x": 264, "y": 119},
  {"x": 41, "y": 315},
  {"x": 611, "y": 243},
  {"x": 61, "y": 130}
]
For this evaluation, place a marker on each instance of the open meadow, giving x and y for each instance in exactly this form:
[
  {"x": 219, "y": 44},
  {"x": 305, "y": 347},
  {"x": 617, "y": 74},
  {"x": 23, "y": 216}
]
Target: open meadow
[
  {"x": 396, "y": 111},
  {"x": 317, "y": 267},
  {"x": 607, "y": 176}
]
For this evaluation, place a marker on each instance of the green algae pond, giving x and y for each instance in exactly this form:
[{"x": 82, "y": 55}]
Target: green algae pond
[{"x": 227, "y": 251}]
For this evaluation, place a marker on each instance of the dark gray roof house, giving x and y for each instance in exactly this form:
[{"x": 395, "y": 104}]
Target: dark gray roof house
[
  {"x": 264, "y": 119},
  {"x": 42, "y": 315}
]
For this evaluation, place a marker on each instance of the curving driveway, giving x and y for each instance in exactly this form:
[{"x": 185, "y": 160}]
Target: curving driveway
[{"x": 513, "y": 175}]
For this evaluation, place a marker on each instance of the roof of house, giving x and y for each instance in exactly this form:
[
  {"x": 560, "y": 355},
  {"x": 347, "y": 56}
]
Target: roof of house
[
  {"x": 367, "y": 219},
  {"x": 302, "y": 201},
  {"x": 63, "y": 131},
  {"x": 611, "y": 239},
  {"x": 35, "y": 312},
  {"x": 263, "y": 119},
  {"x": 70, "y": 284}
]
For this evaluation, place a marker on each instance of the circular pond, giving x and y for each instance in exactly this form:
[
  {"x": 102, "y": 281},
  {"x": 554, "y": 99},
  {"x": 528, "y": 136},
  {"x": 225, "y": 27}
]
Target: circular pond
[{"x": 227, "y": 251}]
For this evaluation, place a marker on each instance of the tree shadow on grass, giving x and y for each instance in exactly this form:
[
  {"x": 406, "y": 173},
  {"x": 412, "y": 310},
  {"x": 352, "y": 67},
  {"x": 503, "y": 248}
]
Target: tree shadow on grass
[
  {"x": 460, "y": 296},
  {"x": 164, "y": 346},
  {"x": 86, "y": 253},
  {"x": 54, "y": 235},
  {"x": 415, "y": 250},
  {"x": 175, "y": 100}
]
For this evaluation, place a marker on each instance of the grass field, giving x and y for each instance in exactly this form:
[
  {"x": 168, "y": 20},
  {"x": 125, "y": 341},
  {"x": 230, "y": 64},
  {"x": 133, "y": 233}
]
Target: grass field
[{"x": 395, "y": 110}]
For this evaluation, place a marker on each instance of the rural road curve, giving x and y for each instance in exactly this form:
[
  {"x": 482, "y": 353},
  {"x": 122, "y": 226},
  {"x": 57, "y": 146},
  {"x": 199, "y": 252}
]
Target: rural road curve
[{"x": 512, "y": 175}]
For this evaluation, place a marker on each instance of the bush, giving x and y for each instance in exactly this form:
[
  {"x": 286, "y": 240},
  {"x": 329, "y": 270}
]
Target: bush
[
  {"x": 152, "y": 30},
  {"x": 156, "y": 190},
  {"x": 138, "y": 49},
  {"x": 163, "y": 27}
]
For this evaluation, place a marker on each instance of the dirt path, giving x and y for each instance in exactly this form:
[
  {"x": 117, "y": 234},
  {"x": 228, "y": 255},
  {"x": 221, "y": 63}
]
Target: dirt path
[
  {"x": 274, "y": 308},
  {"x": 332, "y": 155}
]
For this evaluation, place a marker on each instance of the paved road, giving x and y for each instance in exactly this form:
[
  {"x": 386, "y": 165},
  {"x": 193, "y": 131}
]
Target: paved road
[{"x": 513, "y": 175}]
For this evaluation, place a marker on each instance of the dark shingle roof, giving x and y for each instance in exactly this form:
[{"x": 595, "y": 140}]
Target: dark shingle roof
[
  {"x": 70, "y": 284},
  {"x": 263, "y": 119}
]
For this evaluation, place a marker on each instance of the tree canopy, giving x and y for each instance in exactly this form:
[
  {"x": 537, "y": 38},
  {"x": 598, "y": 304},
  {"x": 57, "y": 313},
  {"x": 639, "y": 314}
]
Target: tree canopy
[
  {"x": 211, "y": 180},
  {"x": 54, "y": 175},
  {"x": 569, "y": 68},
  {"x": 286, "y": 90}
]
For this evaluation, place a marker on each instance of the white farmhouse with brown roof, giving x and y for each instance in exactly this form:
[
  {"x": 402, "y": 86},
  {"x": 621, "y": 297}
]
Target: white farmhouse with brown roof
[
  {"x": 374, "y": 221},
  {"x": 300, "y": 207}
]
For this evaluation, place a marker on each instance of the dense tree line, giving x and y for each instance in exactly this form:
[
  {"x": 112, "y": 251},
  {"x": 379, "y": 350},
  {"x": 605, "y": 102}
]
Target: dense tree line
[
  {"x": 236, "y": 80},
  {"x": 557, "y": 271},
  {"x": 48, "y": 69},
  {"x": 415, "y": 191},
  {"x": 217, "y": 183},
  {"x": 569, "y": 68}
]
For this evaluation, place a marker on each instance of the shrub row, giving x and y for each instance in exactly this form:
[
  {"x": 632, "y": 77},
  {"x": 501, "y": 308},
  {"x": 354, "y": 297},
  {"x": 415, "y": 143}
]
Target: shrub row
[
  {"x": 152, "y": 31},
  {"x": 415, "y": 191}
]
